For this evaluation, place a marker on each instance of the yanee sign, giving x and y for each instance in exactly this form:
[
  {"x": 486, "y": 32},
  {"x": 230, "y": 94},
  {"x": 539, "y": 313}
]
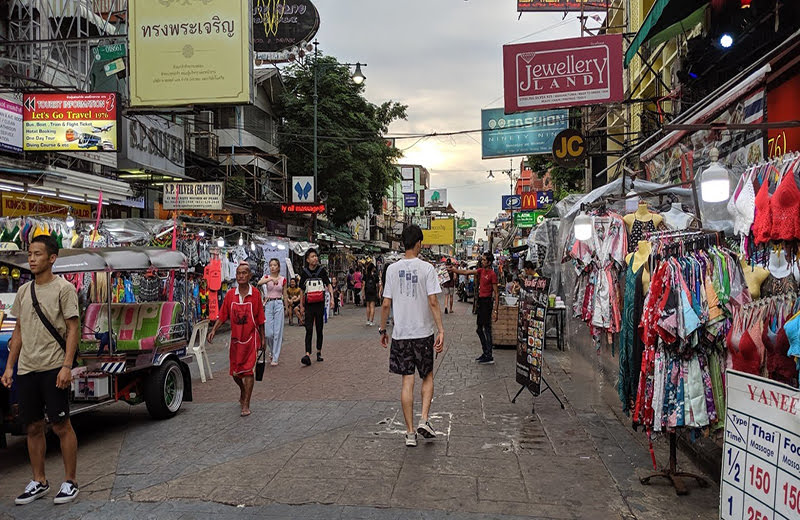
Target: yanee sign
[
  {"x": 72, "y": 122},
  {"x": 562, "y": 73},
  {"x": 193, "y": 195},
  {"x": 154, "y": 143},
  {"x": 298, "y": 22}
]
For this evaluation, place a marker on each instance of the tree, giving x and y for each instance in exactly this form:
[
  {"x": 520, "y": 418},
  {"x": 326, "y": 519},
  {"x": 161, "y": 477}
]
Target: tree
[
  {"x": 355, "y": 166},
  {"x": 565, "y": 180}
]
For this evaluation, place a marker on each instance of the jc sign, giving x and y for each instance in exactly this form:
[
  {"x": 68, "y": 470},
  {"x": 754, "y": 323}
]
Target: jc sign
[{"x": 569, "y": 147}]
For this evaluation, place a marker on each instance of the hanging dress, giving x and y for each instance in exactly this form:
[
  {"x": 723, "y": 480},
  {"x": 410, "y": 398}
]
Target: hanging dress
[{"x": 630, "y": 343}]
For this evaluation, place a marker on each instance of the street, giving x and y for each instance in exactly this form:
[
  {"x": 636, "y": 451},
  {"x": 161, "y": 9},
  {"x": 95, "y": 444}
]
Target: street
[{"x": 326, "y": 442}]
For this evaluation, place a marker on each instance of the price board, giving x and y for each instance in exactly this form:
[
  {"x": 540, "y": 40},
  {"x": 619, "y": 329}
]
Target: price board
[
  {"x": 530, "y": 333},
  {"x": 761, "y": 456}
]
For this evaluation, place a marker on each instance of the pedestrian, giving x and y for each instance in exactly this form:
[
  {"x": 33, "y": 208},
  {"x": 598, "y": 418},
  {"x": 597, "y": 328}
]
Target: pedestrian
[
  {"x": 243, "y": 306},
  {"x": 411, "y": 291},
  {"x": 358, "y": 284},
  {"x": 488, "y": 299},
  {"x": 43, "y": 346},
  {"x": 314, "y": 282},
  {"x": 294, "y": 296},
  {"x": 337, "y": 296},
  {"x": 349, "y": 296},
  {"x": 372, "y": 291},
  {"x": 449, "y": 288},
  {"x": 276, "y": 301}
]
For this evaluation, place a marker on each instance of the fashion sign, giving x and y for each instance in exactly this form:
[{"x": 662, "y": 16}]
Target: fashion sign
[{"x": 563, "y": 73}]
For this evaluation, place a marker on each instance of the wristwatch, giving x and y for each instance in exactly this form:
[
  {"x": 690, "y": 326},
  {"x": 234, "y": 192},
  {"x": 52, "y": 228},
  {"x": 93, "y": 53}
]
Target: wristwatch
[{"x": 381, "y": 331}]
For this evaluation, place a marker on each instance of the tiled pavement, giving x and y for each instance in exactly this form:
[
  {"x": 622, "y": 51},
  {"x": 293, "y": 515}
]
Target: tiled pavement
[{"x": 325, "y": 442}]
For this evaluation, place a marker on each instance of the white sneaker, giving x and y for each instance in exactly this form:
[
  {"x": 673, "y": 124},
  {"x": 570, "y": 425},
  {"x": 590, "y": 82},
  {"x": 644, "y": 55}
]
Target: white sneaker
[
  {"x": 368, "y": 324},
  {"x": 411, "y": 439},
  {"x": 426, "y": 430},
  {"x": 67, "y": 493}
]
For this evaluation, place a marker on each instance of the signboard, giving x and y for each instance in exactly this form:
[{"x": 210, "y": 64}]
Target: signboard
[
  {"x": 761, "y": 455},
  {"x": 70, "y": 122},
  {"x": 407, "y": 173},
  {"x": 153, "y": 143},
  {"x": 22, "y": 204},
  {"x": 407, "y": 186},
  {"x": 303, "y": 208},
  {"x": 114, "y": 67},
  {"x": 525, "y": 133},
  {"x": 10, "y": 126},
  {"x": 436, "y": 199},
  {"x": 203, "y": 50},
  {"x": 421, "y": 221},
  {"x": 465, "y": 223},
  {"x": 511, "y": 202},
  {"x": 562, "y": 73},
  {"x": 193, "y": 195},
  {"x": 298, "y": 22},
  {"x": 442, "y": 232},
  {"x": 561, "y": 5},
  {"x": 545, "y": 198},
  {"x": 528, "y": 219},
  {"x": 569, "y": 148},
  {"x": 530, "y": 333},
  {"x": 529, "y": 200},
  {"x": 110, "y": 52},
  {"x": 303, "y": 190},
  {"x": 410, "y": 200}
]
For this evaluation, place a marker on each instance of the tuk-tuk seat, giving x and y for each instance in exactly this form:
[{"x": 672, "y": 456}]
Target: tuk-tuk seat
[{"x": 135, "y": 325}]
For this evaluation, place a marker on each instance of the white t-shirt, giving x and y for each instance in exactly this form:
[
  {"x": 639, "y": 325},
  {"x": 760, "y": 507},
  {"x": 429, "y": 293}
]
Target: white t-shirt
[{"x": 409, "y": 282}]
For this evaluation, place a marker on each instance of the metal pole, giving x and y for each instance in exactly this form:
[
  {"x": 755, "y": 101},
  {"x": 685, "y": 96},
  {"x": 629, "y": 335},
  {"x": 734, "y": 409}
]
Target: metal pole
[{"x": 316, "y": 102}]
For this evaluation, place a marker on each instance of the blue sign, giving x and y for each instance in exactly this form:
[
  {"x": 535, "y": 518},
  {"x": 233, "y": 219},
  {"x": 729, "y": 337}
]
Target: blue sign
[
  {"x": 524, "y": 133},
  {"x": 544, "y": 198},
  {"x": 512, "y": 202},
  {"x": 410, "y": 200}
]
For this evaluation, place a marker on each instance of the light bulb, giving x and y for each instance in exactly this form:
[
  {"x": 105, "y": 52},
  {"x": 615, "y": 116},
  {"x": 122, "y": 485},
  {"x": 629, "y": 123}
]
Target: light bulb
[
  {"x": 241, "y": 239},
  {"x": 726, "y": 40},
  {"x": 252, "y": 246},
  {"x": 220, "y": 242},
  {"x": 715, "y": 184},
  {"x": 201, "y": 234},
  {"x": 70, "y": 221},
  {"x": 583, "y": 227}
]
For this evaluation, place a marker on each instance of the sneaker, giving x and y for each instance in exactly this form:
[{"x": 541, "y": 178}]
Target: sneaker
[
  {"x": 33, "y": 490},
  {"x": 480, "y": 358},
  {"x": 426, "y": 430},
  {"x": 319, "y": 357},
  {"x": 445, "y": 311},
  {"x": 411, "y": 439},
  {"x": 486, "y": 361},
  {"x": 306, "y": 360},
  {"x": 368, "y": 324},
  {"x": 67, "y": 493}
]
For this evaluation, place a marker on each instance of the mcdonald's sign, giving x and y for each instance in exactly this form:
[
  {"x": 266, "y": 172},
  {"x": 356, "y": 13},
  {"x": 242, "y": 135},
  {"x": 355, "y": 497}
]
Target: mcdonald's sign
[{"x": 529, "y": 200}]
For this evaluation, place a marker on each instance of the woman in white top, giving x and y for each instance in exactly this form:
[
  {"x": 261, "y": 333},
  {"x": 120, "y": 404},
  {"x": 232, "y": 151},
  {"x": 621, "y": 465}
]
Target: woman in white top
[{"x": 275, "y": 303}]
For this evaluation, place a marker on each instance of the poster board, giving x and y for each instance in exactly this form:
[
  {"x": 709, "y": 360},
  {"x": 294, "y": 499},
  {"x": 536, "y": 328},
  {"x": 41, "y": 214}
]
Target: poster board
[
  {"x": 761, "y": 455},
  {"x": 530, "y": 333}
]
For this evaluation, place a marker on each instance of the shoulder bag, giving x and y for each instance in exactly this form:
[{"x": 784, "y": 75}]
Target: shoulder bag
[{"x": 62, "y": 342}]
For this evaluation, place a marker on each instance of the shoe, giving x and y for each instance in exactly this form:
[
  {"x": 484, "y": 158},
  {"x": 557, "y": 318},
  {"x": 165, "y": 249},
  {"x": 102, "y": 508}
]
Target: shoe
[
  {"x": 426, "y": 430},
  {"x": 367, "y": 324},
  {"x": 306, "y": 360},
  {"x": 68, "y": 492},
  {"x": 273, "y": 364},
  {"x": 486, "y": 361},
  {"x": 480, "y": 358},
  {"x": 319, "y": 357},
  {"x": 33, "y": 490},
  {"x": 411, "y": 439},
  {"x": 445, "y": 311}
]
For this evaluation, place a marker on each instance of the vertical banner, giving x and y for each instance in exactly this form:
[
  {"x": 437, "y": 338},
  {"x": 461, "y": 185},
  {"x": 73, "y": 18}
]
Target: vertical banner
[{"x": 530, "y": 333}]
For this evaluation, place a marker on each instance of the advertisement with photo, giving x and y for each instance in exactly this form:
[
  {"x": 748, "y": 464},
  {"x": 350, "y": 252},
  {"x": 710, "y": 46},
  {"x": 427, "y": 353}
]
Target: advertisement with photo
[{"x": 70, "y": 122}]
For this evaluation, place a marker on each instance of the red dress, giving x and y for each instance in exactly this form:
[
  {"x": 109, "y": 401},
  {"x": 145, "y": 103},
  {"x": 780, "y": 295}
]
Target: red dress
[{"x": 247, "y": 316}]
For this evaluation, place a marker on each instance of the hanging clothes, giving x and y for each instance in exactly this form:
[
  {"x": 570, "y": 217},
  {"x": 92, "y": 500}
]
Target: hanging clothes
[{"x": 630, "y": 343}]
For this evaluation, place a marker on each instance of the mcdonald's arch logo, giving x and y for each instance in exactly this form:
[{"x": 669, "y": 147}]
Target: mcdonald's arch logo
[{"x": 529, "y": 200}]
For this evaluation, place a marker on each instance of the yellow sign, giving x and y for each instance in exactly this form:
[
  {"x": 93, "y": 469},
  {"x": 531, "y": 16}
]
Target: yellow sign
[
  {"x": 189, "y": 52},
  {"x": 20, "y": 205},
  {"x": 442, "y": 232}
]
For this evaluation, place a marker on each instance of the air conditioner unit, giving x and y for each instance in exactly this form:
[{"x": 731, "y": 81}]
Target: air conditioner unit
[{"x": 205, "y": 145}]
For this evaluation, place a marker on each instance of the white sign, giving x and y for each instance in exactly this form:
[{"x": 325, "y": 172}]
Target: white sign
[
  {"x": 422, "y": 222},
  {"x": 193, "y": 195},
  {"x": 303, "y": 190},
  {"x": 407, "y": 173},
  {"x": 10, "y": 126},
  {"x": 436, "y": 199},
  {"x": 153, "y": 143},
  {"x": 761, "y": 456},
  {"x": 407, "y": 186},
  {"x": 104, "y": 158}
]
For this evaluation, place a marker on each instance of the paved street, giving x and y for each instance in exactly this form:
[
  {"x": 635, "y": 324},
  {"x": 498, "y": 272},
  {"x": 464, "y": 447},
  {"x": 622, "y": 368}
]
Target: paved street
[{"x": 326, "y": 442}]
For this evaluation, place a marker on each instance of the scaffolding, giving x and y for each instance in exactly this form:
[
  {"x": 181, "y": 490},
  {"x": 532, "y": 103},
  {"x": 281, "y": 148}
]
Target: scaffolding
[{"x": 255, "y": 178}]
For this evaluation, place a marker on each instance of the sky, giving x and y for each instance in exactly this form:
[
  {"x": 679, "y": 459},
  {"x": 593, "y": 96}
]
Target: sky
[{"x": 442, "y": 58}]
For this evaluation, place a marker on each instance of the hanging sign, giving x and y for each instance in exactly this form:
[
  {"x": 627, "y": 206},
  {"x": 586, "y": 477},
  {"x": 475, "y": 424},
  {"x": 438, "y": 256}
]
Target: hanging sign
[
  {"x": 528, "y": 219},
  {"x": 464, "y": 223},
  {"x": 410, "y": 200},
  {"x": 761, "y": 455},
  {"x": 569, "y": 148},
  {"x": 530, "y": 333},
  {"x": 303, "y": 189},
  {"x": 303, "y": 208},
  {"x": 511, "y": 202},
  {"x": 436, "y": 199},
  {"x": 525, "y": 133},
  {"x": 545, "y": 198},
  {"x": 529, "y": 200},
  {"x": 295, "y": 22},
  {"x": 70, "y": 122},
  {"x": 110, "y": 52},
  {"x": 193, "y": 195}
]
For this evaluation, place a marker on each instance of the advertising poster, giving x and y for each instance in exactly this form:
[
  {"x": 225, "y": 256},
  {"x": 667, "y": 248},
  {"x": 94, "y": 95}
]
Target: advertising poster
[
  {"x": 436, "y": 199},
  {"x": 10, "y": 125},
  {"x": 74, "y": 122},
  {"x": 761, "y": 455},
  {"x": 294, "y": 22},
  {"x": 193, "y": 195},
  {"x": 530, "y": 333},
  {"x": 442, "y": 232},
  {"x": 21, "y": 204},
  {"x": 410, "y": 200},
  {"x": 562, "y": 73},
  {"x": 525, "y": 133},
  {"x": 203, "y": 50}
]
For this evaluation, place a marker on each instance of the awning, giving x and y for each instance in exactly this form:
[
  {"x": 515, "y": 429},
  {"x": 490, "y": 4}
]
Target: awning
[
  {"x": 52, "y": 181},
  {"x": 662, "y": 24}
]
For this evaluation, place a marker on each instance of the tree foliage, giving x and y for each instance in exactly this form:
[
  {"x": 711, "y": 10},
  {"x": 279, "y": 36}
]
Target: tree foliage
[
  {"x": 565, "y": 180},
  {"x": 355, "y": 167}
]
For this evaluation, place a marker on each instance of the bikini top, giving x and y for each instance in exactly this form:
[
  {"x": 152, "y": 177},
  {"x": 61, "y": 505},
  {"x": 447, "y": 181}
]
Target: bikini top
[
  {"x": 743, "y": 204},
  {"x": 743, "y": 353},
  {"x": 762, "y": 222},
  {"x": 785, "y": 208}
]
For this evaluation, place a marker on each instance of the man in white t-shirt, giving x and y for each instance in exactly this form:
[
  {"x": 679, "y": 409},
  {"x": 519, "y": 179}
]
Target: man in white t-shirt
[{"x": 411, "y": 291}]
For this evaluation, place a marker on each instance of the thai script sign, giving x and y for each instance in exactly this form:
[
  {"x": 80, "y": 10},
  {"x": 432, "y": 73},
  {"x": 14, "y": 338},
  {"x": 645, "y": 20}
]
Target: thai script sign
[
  {"x": 70, "y": 122},
  {"x": 10, "y": 126},
  {"x": 525, "y": 133},
  {"x": 297, "y": 22},
  {"x": 193, "y": 195}
]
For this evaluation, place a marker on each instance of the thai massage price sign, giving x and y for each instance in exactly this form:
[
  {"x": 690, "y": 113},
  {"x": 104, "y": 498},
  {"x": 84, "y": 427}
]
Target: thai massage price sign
[
  {"x": 761, "y": 457},
  {"x": 530, "y": 333}
]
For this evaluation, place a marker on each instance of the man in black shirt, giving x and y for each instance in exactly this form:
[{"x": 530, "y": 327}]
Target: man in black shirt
[{"x": 314, "y": 282}]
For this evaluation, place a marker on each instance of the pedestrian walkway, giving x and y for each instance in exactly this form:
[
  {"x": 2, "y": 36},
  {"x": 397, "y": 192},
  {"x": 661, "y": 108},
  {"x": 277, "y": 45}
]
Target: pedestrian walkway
[{"x": 326, "y": 441}]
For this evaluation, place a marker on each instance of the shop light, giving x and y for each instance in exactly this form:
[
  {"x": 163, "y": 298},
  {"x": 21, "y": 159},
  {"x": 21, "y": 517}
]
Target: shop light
[
  {"x": 201, "y": 233},
  {"x": 42, "y": 193},
  {"x": 241, "y": 239},
  {"x": 726, "y": 40},
  {"x": 583, "y": 226},
  {"x": 715, "y": 183},
  {"x": 70, "y": 220},
  {"x": 10, "y": 188},
  {"x": 220, "y": 242},
  {"x": 252, "y": 246}
]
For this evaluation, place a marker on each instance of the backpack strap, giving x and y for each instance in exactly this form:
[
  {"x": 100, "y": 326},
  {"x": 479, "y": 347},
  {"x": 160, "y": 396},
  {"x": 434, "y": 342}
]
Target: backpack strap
[{"x": 49, "y": 326}]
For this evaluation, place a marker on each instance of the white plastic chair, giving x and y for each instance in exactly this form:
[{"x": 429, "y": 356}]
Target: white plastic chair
[{"x": 197, "y": 344}]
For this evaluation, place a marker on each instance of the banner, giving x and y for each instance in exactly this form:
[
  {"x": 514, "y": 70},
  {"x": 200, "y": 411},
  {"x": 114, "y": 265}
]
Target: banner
[
  {"x": 563, "y": 73},
  {"x": 70, "y": 122},
  {"x": 22, "y": 204},
  {"x": 436, "y": 199},
  {"x": 190, "y": 52},
  {"x": 525, "y": 133},
  {"x": 528, "y": 219},
  {"x": 193, "y": 195},
  {"x": 442, "y": 232},
  {"x": 10, "y": 125},
  {"x": 530, "y": 333},
  {"x": 561, "y": 5},
  {"x": 761, "y": 455},
  {"x": 298, "y": 22},
  {"x": 410, "y": 200}
]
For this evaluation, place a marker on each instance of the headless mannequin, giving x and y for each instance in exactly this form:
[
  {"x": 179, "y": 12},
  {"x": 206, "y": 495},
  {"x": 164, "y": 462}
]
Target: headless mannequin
[
  {"x": 779, "y": 266},
  {"x": 676, "y": 218},
  {"x": 639, "y": 258},
  {"x": 642, "y": 214},
  {"x": 754, "y": 277}
]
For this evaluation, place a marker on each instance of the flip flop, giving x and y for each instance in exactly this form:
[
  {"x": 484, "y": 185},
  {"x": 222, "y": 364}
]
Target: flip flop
[{"x": 245, "y": 414}]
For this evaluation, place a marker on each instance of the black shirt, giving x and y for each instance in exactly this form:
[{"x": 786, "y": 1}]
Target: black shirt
[{"x": 320, "y": 273}]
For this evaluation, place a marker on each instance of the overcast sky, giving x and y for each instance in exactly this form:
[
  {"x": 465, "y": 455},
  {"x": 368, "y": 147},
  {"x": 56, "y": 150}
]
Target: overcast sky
[{"x": 442, "y": 58}]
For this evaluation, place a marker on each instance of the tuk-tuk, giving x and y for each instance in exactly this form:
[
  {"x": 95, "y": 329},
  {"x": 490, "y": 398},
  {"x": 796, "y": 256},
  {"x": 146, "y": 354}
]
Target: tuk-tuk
[{"x": 132, "y": 352}]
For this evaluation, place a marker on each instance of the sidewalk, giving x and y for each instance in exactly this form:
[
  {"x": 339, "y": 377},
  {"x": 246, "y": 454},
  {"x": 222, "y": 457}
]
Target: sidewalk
[{"x": 325, "y": 441}]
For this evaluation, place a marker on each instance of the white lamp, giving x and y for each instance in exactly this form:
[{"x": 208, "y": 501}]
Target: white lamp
[
  {"x": 252, "y": 246},
  {"x": 583, "y": 226},
  {"x": 715, "y": 183},
  {"x": 70, "y": 220},
  {"x": 220, "y": 242},
  {"x": 241, "y": 239}
]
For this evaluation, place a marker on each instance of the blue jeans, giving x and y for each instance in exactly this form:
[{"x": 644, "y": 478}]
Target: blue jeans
[{"x": 273, "y": 328}]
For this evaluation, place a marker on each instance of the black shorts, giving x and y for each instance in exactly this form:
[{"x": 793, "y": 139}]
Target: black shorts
[
  {"x": 408, "y": 354},
  {"x": 38, "y": 393},
  {"x": 370, "y": 296},
  {"x": 485, "y": 307}
]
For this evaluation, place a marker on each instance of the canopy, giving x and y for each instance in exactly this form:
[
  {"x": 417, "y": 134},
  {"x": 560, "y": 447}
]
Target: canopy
[
  {"x": 105, "y": 259},
  {"x": 662, "y": 24}
]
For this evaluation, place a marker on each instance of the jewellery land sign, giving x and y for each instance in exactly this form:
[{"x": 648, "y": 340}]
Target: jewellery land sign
[
  {"x": 410, "y": 200},
  {"x": 193, "y": 195},
  {"x": 303, "y": 190},
  {"x": 525, "y": 133},
  {"x": 70, "y": 122},
  {"x": 561, "y": 5},
  {"x": 10, "y": 125},
  {"x": 297, "y": 22},
  {"x": 562, "y": 73},
  {"x": 436, "y": 199},
  {"x": 442, "y": 232},
  {"x": 530, "y": 333},
  {"x": 203, "y": 50}
]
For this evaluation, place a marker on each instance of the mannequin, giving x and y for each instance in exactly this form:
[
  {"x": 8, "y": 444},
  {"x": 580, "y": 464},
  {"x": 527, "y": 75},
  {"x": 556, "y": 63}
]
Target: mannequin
[
  {"x": 676, "y": 218},
  {"x": 639, "y": 258},
  {"x": 754, "y": 276},
  {"x": 640, "y": 222},
  {"x": 781, "y": 279}
]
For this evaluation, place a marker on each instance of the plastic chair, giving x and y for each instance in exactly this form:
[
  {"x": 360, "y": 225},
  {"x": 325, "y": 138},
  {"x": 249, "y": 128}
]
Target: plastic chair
[{"x": 197, "y": 344}]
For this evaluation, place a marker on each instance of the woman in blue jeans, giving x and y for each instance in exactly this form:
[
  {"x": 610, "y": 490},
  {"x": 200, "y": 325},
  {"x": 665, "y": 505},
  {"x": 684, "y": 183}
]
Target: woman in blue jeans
[{"x": 275, "y": 304}]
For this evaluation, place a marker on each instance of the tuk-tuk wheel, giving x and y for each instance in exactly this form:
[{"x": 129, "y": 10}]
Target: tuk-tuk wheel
[{"x": 163, "y": 391}]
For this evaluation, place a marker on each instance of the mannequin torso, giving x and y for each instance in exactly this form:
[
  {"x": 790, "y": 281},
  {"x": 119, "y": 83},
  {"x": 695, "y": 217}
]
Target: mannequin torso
[
  {"x": 676, "y": 218},
  {"x": 754, "y": 277},
  {"x": 642, "y": 214},
  {"x": 640, "y": 258}
]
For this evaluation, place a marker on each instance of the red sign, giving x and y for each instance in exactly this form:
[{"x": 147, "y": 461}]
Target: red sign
[
  {"x": 561, "y": 5},
  {"x": 529, "y": 200},
  {"x": 303, "y": 208},
  {"x": 563, "y": 73},
  {"x": 782, "y": 106}
]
